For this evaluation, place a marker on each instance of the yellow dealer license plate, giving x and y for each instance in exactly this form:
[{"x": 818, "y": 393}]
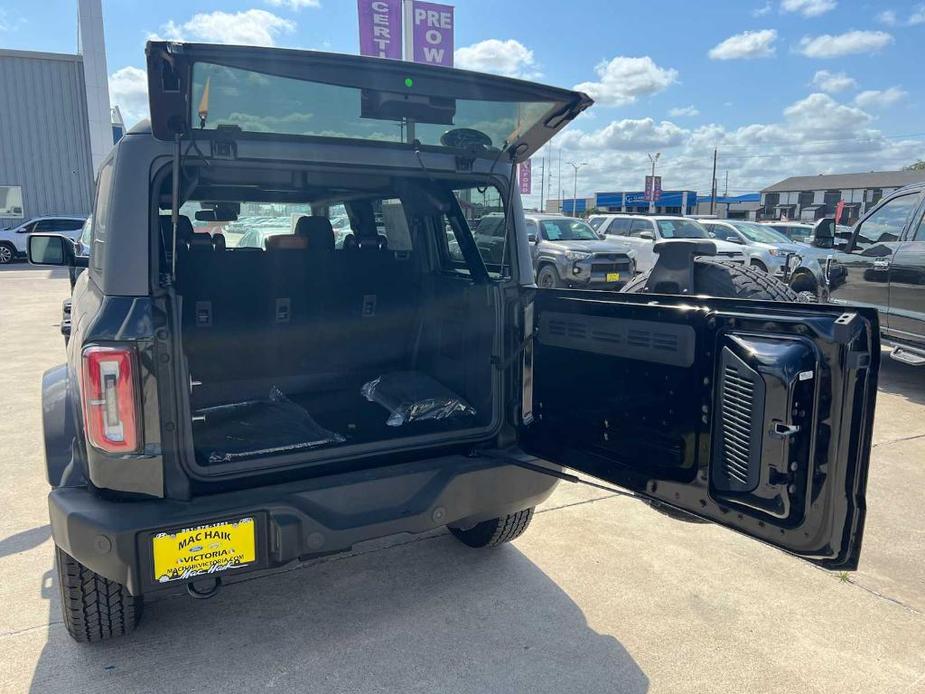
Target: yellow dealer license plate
[
  {"x": 613, "y": 276},
  {"x": 206, "y": 549}
]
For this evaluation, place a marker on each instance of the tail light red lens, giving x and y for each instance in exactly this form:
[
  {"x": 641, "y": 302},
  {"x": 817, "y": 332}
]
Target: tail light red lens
[{"x": 110, "y": 401}]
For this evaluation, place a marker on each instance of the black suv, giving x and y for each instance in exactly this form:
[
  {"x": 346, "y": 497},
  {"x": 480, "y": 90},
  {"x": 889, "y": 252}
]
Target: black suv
[
  {"x": 225, "y": 410},
  {"x": 880, "y": 263}
]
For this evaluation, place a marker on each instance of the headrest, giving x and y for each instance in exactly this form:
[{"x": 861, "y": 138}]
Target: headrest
[
  {"x": 318, "y": 231},
  {"x": 373, "y": 243},
  {"x": 199, "y": 242},
  {"x": 350, "y": 243},
  {"x": 218, "y": 242},
  {"x": 287, "y": 242}
]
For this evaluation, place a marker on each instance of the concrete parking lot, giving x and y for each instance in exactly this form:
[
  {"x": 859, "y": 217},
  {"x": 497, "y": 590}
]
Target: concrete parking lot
[{"x": 602, "y": 594}]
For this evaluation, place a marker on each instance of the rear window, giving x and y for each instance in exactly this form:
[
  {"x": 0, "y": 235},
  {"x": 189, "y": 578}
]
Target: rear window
[
  {"x": 261, "y": 103},
  {"x": 481, "y": 208}
]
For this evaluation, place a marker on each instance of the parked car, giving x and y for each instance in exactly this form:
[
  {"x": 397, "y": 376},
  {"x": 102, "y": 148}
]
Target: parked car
[
  {"x": 13, "y": 240},
  {"x": 224, "y": 412},
  {"x": 566, "y": 251},
  {"x": 880, "y": 263},
  {"x": 765, "y": 248},
  {"x": 641, "y": 233}
]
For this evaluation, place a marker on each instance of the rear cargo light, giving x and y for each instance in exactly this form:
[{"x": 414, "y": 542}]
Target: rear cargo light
[{"x": 110, "y": 403}]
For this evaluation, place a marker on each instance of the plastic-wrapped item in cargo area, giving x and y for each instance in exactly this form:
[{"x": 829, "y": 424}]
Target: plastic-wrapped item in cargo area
[
  {"x": 256, "y": 428},
  {"x": 412, "y": 396}
]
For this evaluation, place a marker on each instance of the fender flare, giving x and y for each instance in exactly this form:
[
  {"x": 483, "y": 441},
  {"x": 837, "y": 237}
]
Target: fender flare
[{"x": 59, "y": 430}]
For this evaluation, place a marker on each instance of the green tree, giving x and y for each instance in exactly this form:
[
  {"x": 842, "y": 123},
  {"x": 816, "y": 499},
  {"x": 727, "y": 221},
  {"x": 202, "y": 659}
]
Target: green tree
[{"x": 917, "y": 166}]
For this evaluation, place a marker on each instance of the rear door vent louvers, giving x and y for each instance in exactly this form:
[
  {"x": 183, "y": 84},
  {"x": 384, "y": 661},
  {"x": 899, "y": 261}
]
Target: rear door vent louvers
[{"x": 739, "y": 425}]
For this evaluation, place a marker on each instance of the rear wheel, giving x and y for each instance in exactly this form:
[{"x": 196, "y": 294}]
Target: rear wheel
[
  {"x": 94, "y": 608},
  {"x": 548, "y": 278},
  {"x": 7, "y": 253},
  {"x": 715, "y": 277},
  {"x": 496, "y": 531}
]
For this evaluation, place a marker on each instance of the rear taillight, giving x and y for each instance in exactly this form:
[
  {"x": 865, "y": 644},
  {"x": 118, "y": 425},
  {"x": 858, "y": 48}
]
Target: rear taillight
[{"x": 109, "y": 399}]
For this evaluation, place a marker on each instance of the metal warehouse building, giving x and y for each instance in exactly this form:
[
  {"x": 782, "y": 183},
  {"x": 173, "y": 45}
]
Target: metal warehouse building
[
  {"x": 809, "y": 198},
  {"x": 55, "y": 125}
]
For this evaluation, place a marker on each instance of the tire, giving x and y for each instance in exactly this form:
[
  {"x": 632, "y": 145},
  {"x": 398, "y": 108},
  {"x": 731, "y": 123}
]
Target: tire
[
  {"x": 94, "y": 608},
  {"x": 496, "y": 531},
  {"x": 7, "y": 253},
  {"x": 548, "y": 277},
  {"x": 724, "y": 278}
]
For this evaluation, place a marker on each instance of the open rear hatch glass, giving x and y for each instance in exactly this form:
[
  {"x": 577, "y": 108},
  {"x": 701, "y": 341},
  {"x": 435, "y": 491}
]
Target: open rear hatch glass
[{"x": 257, "y": 91}]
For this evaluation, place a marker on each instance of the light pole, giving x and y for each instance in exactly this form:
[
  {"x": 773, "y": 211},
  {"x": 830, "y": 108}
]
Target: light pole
[
  {"x": 575, "y": 190},
  {"x": 654, "y": 161}
]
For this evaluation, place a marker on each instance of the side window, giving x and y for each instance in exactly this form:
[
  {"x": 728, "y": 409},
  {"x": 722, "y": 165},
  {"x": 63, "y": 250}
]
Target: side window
[
  {"x": 919, "y": 234},
  {"x": 619, "y": 227},
  {"x": 638, "y": 226},
  {"x": 394, "y": 225},
  {"x": 489, "y": 233},
  {"x": 101, "y": 216},
  {"x": 721, "y": 232},
  {"x": 596, "y": 222},
  {"x": 886, "y": 224}
]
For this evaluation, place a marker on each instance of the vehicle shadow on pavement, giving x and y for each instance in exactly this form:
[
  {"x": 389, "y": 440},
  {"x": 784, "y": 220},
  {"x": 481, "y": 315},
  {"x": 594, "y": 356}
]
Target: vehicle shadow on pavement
[
  {"x": 25, "y": 540},
  {"x": 429, "y": 615},
  {"x": 902, "y": 379}
]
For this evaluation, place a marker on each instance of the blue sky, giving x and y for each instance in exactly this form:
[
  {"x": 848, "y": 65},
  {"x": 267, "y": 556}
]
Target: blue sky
[{"x": 780, "y": 87}]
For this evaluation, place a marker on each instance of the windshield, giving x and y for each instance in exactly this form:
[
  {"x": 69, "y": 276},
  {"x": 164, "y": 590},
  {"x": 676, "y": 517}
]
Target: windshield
[
  {"x": 681, "y": 229},
  {"x": 263, "y": 103},
  {"x": 760, "y": 234},
  {"x": 568, "y": 230}
]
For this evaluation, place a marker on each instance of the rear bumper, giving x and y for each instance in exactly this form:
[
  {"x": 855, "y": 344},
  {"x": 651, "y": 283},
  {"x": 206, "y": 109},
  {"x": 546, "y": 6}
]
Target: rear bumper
[{"x": 295, "y": 520}]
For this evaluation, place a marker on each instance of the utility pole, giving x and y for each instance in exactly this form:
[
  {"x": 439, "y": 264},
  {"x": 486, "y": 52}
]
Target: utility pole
[
  {"x": 713, "y": 184},
  {"x": 726, "y": 193},
  {"x": 559, "y": 178},
  {"x": 654, "y": 160},
  {"x": 575, "y": 189}
]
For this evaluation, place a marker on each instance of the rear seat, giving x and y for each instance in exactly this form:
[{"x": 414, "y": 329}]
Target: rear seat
[{"x": 297, "y": 313}]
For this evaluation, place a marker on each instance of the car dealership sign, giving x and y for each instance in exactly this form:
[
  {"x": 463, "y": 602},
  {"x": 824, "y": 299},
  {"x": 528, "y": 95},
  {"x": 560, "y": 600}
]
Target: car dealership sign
[
  {"x": 428, "y": 30},
  {"x": 380, "y": 28}
]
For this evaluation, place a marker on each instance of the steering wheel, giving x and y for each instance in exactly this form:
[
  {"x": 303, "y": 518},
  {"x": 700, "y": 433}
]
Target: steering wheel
[{"x": 465, "y": 138}]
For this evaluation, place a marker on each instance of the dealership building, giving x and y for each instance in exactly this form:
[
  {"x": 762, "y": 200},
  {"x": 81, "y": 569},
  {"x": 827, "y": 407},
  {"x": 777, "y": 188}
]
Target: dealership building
[
  {"x": 57, "y": 125},
  {"x": 808, "y": 198},
  {"x": 670, "y": 202}
]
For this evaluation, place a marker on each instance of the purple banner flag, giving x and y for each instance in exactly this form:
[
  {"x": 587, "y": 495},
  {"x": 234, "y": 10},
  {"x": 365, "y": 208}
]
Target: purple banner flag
[
  {"x": 380, "y": 28},
  {"x": 525, "y": 170},
  {"x": 433, "y": 33}
]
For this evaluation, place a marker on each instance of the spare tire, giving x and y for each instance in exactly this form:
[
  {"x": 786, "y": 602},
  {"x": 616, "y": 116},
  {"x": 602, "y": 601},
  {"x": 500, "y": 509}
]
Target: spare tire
[{"x": 724, "y": 278}]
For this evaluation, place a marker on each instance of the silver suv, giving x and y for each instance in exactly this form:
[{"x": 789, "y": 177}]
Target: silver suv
[
  {"x": 767, "y": 249},
  {"x": 566, "y": 252}
]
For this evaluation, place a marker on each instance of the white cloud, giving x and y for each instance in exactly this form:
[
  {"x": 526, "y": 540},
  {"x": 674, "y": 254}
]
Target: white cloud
[
  {"x": 128, "y": 89},
  {"x": 631, "y": 135},
  {"x": 684, "y": 111},
  {"x": 833, "y": 82},
  {"x": 249, "y": 27},
  {"x": 917, "y": 17},
  {"x": 747, "y": 45},
  {"x": 808, "y": 8},
  {"x": 765, "y": 9},
  {"x": 623, "y": 80},
  {"x": 10, "y": 22},
  {"x": 509, "y": 58},
  {"x": 295, "y": 5},
  {"x": 852, "y": 42},
  {"x": 887, "y": 17},
  {"x": 880, "y": 98},
  {"x": 814, "y": 135}
]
